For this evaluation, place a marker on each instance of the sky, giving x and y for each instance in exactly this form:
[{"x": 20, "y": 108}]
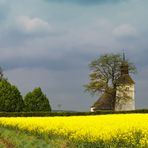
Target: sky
[{"x": 49, "y": 44}]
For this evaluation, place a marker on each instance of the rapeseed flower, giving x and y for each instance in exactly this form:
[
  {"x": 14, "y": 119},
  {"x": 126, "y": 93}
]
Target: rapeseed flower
[{"x": 90, "y": 128}]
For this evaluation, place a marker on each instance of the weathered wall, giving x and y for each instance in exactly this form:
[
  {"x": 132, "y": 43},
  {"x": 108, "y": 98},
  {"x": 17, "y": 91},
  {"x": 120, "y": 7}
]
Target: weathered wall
[{"x": 125, "y": 97}]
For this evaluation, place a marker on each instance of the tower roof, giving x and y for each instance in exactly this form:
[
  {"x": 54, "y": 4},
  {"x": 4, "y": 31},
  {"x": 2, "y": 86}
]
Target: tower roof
[
  {"x": 124, "y": 56},
  {"x": 124, "y": 65},
  {"x": 124, "y": 78}
]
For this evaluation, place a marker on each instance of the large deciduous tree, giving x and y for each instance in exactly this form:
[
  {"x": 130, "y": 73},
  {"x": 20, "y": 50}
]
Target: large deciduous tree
[
  {"x": 36, "y": 101},
  {"x": 10, "y": 98},
  {"x": 2, "y": 75},
  {"x": 104, "y": 74}
]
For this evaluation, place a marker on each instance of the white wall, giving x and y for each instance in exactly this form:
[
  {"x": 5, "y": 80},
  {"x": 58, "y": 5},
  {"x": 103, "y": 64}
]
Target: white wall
[{"x": 125, "y": 98}]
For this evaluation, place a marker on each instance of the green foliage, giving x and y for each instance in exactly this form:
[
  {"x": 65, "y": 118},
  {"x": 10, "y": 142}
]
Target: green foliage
[
  {"x": 2, "y": 75},
  {"x": 14, "y": 138},
  {"x": 104, "y": 73},
  {"x": 10, "y": 98},
  {"x": 36, "y": 101}
]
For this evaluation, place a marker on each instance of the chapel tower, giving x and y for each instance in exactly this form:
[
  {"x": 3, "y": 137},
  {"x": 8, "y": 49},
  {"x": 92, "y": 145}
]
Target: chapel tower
[{"x": 125, "y": 92}]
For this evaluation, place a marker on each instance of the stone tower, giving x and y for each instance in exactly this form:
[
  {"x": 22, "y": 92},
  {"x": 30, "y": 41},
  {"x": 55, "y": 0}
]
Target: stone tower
[{"x": 125, "y": 93}]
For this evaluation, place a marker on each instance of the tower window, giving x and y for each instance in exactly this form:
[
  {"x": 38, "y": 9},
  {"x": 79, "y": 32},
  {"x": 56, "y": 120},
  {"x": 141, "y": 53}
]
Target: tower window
[{"x": 127, "y": 88}]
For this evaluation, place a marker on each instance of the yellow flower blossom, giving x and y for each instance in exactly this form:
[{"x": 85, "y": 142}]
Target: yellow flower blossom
[{"x": 90, "y": 128}]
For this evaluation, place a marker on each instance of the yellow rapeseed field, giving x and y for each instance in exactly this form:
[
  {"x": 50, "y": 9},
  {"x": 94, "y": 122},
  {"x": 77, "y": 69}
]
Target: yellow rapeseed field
[{"x": 90, "y": 128}]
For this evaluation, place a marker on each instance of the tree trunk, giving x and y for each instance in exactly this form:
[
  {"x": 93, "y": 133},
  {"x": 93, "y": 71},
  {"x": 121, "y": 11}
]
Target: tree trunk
[{"x": 114, "y": 97}]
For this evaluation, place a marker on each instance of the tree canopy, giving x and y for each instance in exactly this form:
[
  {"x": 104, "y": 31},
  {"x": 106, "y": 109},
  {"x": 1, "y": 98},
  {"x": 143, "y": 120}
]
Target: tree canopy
[
  {"x": 10, "y": 97},
  {"x": 36, "y": 101},
  {"x": 2, "y": 74},
  {"x": 104, "y": 73}
]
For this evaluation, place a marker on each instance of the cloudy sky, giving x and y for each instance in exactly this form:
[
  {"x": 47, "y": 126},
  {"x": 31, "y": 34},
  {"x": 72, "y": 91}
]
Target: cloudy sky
[{"x": 49, "y": 43}]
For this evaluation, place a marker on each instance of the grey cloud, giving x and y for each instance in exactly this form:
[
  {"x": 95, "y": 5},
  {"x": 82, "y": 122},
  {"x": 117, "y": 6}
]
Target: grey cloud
[
  {"x": 141, "y": 88},
  {"x": 141, "y": 59},
  {"x": 4, "y": 10},
  {"x": 86, "y": 2},
  {"x": 128, "y": 40},
  {"x": 14, "y": 37},
  {"x": 70, "y": 60}
]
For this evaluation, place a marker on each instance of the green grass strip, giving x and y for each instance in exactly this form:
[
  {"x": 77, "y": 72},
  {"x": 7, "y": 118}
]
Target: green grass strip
[{"x": 13, "y": 138}]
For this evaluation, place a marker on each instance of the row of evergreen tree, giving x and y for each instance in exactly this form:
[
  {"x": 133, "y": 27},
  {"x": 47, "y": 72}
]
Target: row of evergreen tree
[{"x": 11, "y": 99}]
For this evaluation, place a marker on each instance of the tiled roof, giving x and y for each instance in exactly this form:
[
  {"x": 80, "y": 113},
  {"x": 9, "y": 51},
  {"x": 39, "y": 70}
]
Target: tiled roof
[{"x": 104, "y": 102}]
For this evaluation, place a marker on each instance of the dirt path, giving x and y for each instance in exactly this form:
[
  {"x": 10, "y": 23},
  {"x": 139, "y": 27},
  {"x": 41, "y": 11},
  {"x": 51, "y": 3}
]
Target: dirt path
[{"x": 6, "y": 143}]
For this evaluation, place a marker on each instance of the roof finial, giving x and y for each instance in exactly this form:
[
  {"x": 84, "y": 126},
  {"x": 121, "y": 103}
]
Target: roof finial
[{"x": 123, "y": 55}]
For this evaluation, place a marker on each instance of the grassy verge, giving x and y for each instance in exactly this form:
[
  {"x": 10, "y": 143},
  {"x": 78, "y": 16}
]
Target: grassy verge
[
  {"x": 13, "y": 138},
  {"x": 5, "y": 143}
]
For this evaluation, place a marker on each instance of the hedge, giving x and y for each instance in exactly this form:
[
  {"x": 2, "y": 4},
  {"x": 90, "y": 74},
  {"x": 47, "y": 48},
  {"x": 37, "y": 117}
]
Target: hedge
[{"x": 46, "y": 114}]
